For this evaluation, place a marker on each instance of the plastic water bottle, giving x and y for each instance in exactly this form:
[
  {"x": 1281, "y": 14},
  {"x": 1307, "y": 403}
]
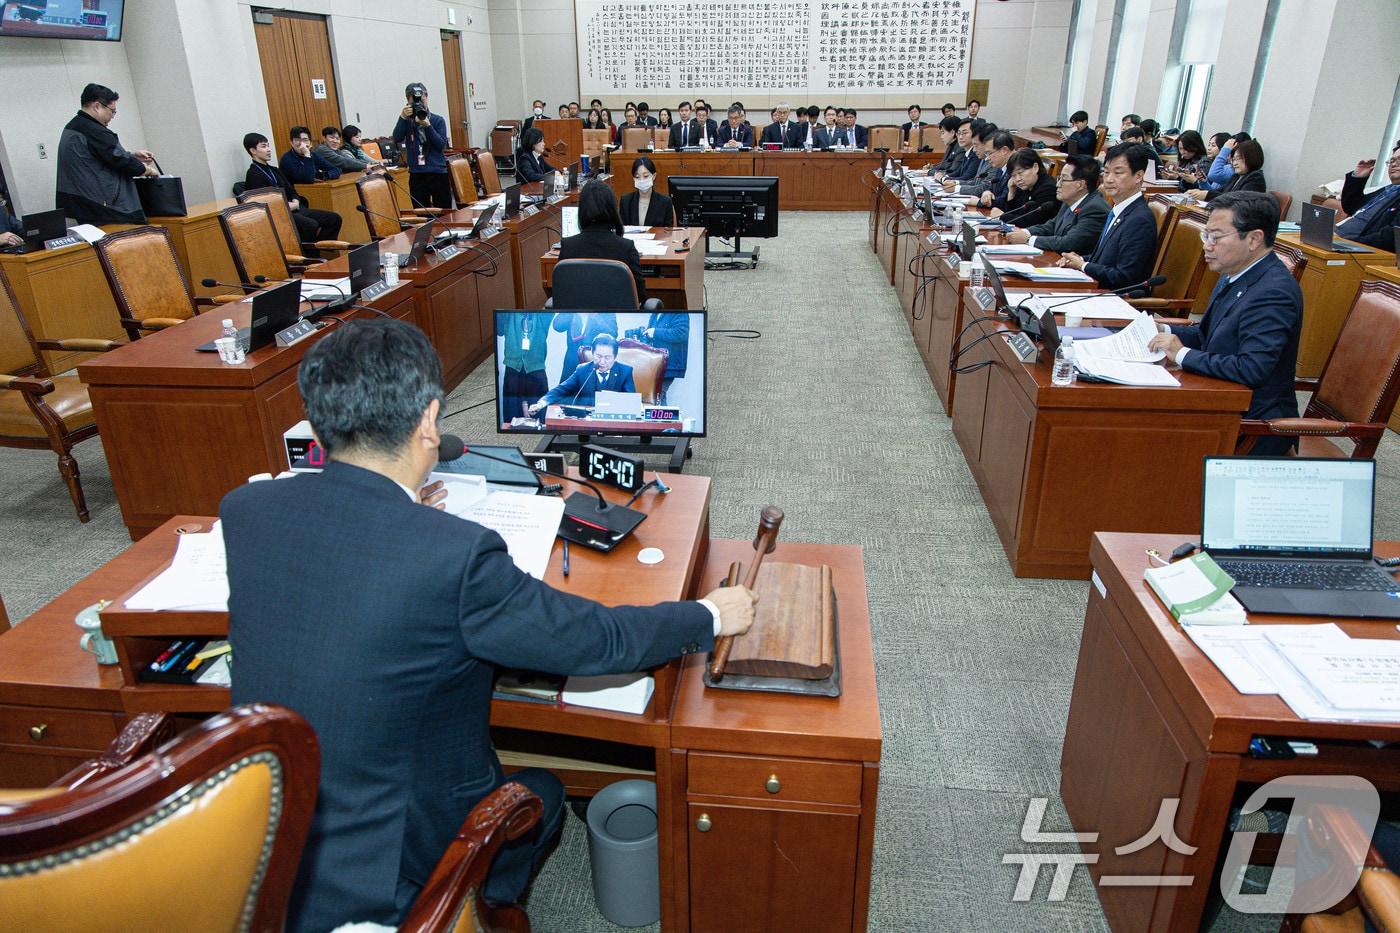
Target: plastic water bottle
[
  {"x": 976, "y": 273},
  {"x": 229, "y": 330},
  {"x": 1063, "y": 373}
]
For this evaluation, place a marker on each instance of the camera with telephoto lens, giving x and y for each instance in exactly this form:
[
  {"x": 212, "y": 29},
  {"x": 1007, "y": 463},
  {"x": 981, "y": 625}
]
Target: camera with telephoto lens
[
  {"x": 635, "y": 333},
  {"x": 420, "y": 109}
]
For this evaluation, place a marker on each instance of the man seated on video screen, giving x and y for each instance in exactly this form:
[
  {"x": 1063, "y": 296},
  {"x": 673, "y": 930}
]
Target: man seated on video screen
[{"x": 601, "y": 374}]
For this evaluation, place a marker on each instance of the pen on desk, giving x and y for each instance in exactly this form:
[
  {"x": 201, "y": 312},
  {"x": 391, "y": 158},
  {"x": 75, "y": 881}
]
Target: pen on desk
[
  {"x": 566, "y": 557},
  {"x": 165, "y": 655}
]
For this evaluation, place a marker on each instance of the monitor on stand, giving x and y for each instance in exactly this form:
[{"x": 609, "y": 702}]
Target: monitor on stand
[{"x": 728, "y": 206}]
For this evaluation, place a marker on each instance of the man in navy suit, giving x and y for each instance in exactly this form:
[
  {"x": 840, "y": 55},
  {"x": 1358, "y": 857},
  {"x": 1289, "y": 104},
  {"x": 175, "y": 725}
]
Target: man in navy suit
[
  {"x": 603, "y": 373},
  {"x": 1127, "y": 247},
  {"x": 1082, "y": 213},
  {"x": 381, "y": 621},
  {"x": 1249, "y": 333},
  {"x": 850, "y": 133},
  {"x": 735, "y": 133},
  {"x": 1373, "y": 216}
]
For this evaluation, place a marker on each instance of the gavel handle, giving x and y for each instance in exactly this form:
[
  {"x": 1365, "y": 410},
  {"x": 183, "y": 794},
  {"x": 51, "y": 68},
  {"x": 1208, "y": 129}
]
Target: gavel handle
[{"x": 725, "y": 643}]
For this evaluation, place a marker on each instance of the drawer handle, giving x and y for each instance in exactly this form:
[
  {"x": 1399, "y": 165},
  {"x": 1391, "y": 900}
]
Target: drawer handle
[
  {"x": 773, "y": 785},
  {"x": 37, "y": 732},
  {"x": 703, "y": 824}
]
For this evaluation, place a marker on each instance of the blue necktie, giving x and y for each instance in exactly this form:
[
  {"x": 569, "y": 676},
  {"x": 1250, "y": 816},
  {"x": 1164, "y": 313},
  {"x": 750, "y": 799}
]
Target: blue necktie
[{"x": 1104, "y": 236}]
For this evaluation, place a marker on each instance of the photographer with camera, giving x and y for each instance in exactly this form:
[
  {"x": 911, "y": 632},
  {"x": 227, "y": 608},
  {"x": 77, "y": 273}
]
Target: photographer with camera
[{"x": 424, "y": 136}]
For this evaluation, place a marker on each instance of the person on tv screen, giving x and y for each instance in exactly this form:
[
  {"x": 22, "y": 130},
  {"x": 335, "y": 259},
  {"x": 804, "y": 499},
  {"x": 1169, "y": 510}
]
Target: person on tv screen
[{"x": 601, "y": 374}]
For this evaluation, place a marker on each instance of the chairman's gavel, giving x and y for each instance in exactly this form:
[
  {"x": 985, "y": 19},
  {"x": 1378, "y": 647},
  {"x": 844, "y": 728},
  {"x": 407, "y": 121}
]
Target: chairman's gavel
[{"x": 764, "y": 542}]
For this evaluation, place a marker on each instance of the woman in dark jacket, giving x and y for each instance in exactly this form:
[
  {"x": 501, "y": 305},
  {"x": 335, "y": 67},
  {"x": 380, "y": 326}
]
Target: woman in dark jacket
[
  {"x": 530, "y": 163},
  {"x": 1192, "y": 163},
  {"x": 1031, "y": 193},
  {"x": 1248, "y": 162},
  {"x": 600, "y": 233},
  {"x": 644, "y": 207}
]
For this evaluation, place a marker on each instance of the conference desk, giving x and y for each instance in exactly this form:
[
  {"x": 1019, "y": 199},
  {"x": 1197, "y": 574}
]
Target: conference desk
[
  {"x": 1151, "y": 718},
  {"x": 677, "y": 277},
  {"x": 531, "y": 234},
  {"x": 180, "y": 428},
  {"x": 783, "y": 788},
  {"x": 807, "y": 181},
  {"x": 1057, "y": 463}
]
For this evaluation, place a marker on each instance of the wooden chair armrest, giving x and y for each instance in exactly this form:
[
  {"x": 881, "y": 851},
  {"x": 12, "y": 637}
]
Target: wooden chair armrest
[
  {"x": 159, "y": 323},
  {"x": 213, "y": 301},
  {"x": 78, "y": 343},
  {"x": 1306, "y": 383},
  {"x": 144, "y": 734},
  {"x": 507, "y": 813},
  {"x": 1310, "y": 427},
  {"x": 31, "y": 385},
  {"x": 295, "y": 258},
  {"x": 1153, "y": 304},
  {"x": 338, "y": 245},
  {"x": 1378, "y": 889},
  {"x": 430, "y": 211}
]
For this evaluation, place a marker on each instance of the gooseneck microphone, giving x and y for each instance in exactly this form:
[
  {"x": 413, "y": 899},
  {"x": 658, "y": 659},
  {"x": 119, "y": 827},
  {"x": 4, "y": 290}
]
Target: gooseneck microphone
[
  {"x": 452, "y": 447},
  {"x": 211, "y": 283},
  {"x": 399, "y": 221},
  {"x": 1140, "y": 290}
]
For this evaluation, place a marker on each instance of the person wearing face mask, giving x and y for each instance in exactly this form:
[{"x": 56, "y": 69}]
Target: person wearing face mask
[
  {"x": 645, "y": 207},
  {"x": 535, "y": 114},
  {"x": 530, "y": 163}
]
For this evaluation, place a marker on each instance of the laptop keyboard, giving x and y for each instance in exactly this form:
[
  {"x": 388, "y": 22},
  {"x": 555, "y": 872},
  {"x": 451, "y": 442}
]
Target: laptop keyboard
[{"x": 1309, "y": 575}]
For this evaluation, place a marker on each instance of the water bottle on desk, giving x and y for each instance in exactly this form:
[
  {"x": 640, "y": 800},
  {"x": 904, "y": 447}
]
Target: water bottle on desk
[{"x": 1063, "y": 373}]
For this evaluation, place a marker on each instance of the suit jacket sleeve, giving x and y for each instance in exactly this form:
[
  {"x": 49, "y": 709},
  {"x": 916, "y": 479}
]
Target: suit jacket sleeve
[
  {"x": 570, "y": 387},
  {"x": 1354, "y": 193},
  {"x": 528, "y": 168},
  {"x": 1189, "y": 334},
  {"x": 511, "y": 619},
  {"x": 1267, "y": 319},
  {"x": 630, "y": 385}
]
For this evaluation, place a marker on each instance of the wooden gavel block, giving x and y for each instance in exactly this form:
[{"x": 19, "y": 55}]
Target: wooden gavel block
[{"x": 794, "y": 627}]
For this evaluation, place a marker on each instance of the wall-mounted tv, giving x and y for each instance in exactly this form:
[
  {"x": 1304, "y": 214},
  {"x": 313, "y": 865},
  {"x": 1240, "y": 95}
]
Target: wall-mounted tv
[{"x": 97, "y": 20}]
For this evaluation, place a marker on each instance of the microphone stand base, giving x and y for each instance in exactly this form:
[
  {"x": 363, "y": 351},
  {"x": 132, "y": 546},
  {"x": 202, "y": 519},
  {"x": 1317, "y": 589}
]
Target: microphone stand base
[{"x": 602, "y": 531}]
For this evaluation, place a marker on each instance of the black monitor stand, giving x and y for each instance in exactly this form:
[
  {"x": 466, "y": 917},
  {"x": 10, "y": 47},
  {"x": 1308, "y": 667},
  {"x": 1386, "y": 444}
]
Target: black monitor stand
[
  {"x": 735, "y": 258},
  {"x": 678, "y": 448}
]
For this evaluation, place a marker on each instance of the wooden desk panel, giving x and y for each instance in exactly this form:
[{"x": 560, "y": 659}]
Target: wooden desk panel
[
  {"x": 1329, "y": 284},
  {"x": 1152, "y": 718},
  {"x": 63, "y": 293}
]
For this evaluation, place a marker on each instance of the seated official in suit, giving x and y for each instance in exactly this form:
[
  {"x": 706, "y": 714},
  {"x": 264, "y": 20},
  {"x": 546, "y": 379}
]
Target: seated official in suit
[
  {"x": 644, "y": 114},
  {"x": 311, "y": 224},
  {"x": 301, "y": 165},
  {"x": 602, "y": 373},
  {"x": 530, "y": 163},
  {"x": 831, "y": 121},
  {"x": 581, "y": 328},
  {"x": 974, "y": 108},
  {"x": 683, "y": 130},
  {"x": 1084, "y": 136},
  {"x": 664, "y": 119},
  {"x": 991, "y": 185},
  {"x": 1249, "y": 332},
  {"x": 775, "y": 131},
  {"x": 387, "y": 641},
  {"x": 707, "y": 128},
  {"x": 1373, "y": 216},
  {"x": 1031, "y": 192},
  {"x": 1127, "y": 247},
  {"x": 600, "y": 233},
  {"x": 809, "y": 133},
  {"x": 669, "y": 332},
  {"x": 735, "y": 133},
  {"x": 952, "y": 152},
  {"x": 1247, "y": 163},
  {"x": 914, "y": 125},
  {"x": 1082, "y": 213},
  {"x": 984, "y": 139},
  {"x": 851, "y": 133},
  {"x": 645, "y": 207},
  {"x": 979, "y": 138}
]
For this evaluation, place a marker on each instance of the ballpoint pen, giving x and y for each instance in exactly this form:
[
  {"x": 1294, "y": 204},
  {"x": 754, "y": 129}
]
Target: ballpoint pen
[{"x": 566, "y": 557}]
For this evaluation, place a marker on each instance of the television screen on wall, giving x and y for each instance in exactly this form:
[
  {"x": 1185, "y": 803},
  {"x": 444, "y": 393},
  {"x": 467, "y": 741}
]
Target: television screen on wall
[{"x": 98, "y": 20}]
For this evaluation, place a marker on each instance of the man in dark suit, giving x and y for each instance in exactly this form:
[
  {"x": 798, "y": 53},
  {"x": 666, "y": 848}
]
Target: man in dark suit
[
  {"x": 1084, "y": 136},
  {"x": 582, "y": 329},
  {"x": 809, "y": 133},
  {"x": 776, "y": 131},
  {"x": 735, "y": 133},
  {"x": 387, "y": 637},
  {"x": 991, "y": 184},
  {"x": 685, "y": 131},
  {"x": 602, "y": 373},
  {"x": 1249, "y": 333},
  {"x": 708, "y": 130},
  {"x": 670, "y": 332},
  {"x": 644, "y": 116},
  {"x": 1082, "y": 215},
  {"x": 1373, "y": 216},
  {"x": 914, "y": 124},
  {"x": 850, "y": 133},
  {"x": 1127, "y": 248}
]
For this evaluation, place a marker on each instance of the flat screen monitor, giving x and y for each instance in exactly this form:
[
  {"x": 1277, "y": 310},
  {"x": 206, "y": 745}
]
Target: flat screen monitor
[
  {"x": 364, "y": 267},
  {"x": 727, "y": 205},
  {"x": 635, "y": 391},
  {"x": 97, "y": 20}
]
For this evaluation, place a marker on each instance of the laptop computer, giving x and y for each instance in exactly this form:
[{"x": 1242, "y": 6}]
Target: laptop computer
[
  {"x": 274, "y": 309},
  {"x": 967, "y": 248},
  {"x": 482, "y": 223},
  {"x": 1316, "y": 229},
  {"x": 1296, "y": 535},
  {"x": 45, "y": 225}
]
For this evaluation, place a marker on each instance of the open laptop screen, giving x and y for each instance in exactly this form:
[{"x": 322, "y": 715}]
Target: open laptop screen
[{"x": 1288, "y": 506}]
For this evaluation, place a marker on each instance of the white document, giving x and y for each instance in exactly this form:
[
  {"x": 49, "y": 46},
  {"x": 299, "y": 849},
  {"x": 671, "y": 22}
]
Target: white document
[
  {"x": 621, "y": 693},
  {"x": 568, "y": 220},
  {"x": 639, "y": 237},
  {"x": 1010, "y": 249},
  {"x": 527, "y": 523},
  {"x": 1354, "y": 676},
  {"x": 1043, "y": 273},
  {"x": 196, "y": 580},
  {"x": 1123, "y": 373},
  {"x": 652, "y": 247},
  {"x": 956, "y": 237},
  {"x": 1103, "y": 307},
  {"x": 464, "y": 490},
  {"x": 1128, "y": 344},
  {"x": 87, "y": 232},
  {"x": 618, "y": 403},
  {"x": 321, "y": 289},
  {"x": 1244, "y": 654},
  {"x": 635, "y": 228}
]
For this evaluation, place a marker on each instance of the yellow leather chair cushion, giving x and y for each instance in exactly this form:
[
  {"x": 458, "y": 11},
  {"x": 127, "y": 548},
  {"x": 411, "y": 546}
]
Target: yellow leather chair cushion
[
  {"x": 193, "y": 868},
  {"x": 69, "y": 399}
]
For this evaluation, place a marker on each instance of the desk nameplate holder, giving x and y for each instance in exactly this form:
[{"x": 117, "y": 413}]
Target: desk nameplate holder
[
  {"x": 1021, "y": 345},
  {"x": 298, "y": 332},
  {"x": 445, "y": 253},
  {"x": 374, "y": 291},
  {"x": 61, "y": 241}
]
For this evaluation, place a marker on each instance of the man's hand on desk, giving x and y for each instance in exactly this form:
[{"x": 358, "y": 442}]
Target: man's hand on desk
[
  {"x": 1170, "y": 343},
  {"x": 1073, "y": 260},
  {"x": 1019, "y": 235},
  {"x": 536, "y": 407},
  {"x": 433, "y": 495},
  {"x": 11, "y": 239},
  {"x": 735, "y": 605}
]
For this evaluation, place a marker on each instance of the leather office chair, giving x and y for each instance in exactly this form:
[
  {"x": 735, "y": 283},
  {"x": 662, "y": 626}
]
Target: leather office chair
[
  {"x": 596, "y": 285},
  {"x": 648, "y": 366},
  {"x": 371, "y": 149},
  {"x": 377, "y": 197},
  {"x": 1161, "y": 207},
  {"x": 212, "y": 824},
  {"x": 1355, "y": 395},
  {"x": 486, "y": 169},
  {"x": 593, "y": 143},
  {"x": 1376, "y": 895},
  {"x": 286, "y": 228},
  {"x": 1100, "y": 135},
  {"x": 883, "y": 136},
  {"x": 635, "y": 138},
  {"x": 1181, "y": 258},
  {"x": 147, "y": 281},
  {"x": 38, "y": 410},
  {"x": 254, "y": 245},
  {"x": 1285, "y": 201},
  {"x": 459, "y": 172},
  {"x": 1294, "y": 258}
]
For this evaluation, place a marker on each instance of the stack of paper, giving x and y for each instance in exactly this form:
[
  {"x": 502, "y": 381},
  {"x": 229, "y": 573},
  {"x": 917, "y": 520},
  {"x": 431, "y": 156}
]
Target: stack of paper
[
  {"x": 196, "y": 580},
  {"x": 639, "y": 237},
  {"x": 1041, "y": 273},
  {"x": 634, "y": 228},
  {"x": 1103, "y": 307},
  {"x": 1128, "y": 344},
  {"x": 1010, "y": 249},
  {"x": 621, "y": 693},
  {"x": 324, "y": 289},
  {"x": 527, "y": 523},
  {"x": 651, "y": 247},
  {"x": 1123, "y": 373}
]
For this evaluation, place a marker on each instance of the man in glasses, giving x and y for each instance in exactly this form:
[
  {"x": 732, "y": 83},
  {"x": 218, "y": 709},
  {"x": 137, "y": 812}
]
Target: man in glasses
[
  {"x": 94, "y": 172},
  {"x": 1249, "y": 333},
  {"x": 1373, "y": 216},
  {"x": 1083, "y": 211}
]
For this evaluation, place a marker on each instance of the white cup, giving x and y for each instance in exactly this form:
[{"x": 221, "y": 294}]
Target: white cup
[
  {"x": 391, "y": 268},
  {"x": 90, "y": 621},
  {"x": 1073, "y": 320},
  {"x": 230, "y": 350}
]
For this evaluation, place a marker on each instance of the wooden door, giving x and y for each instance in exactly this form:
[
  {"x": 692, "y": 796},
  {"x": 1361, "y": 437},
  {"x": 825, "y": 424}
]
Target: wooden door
[
  {"x": 456, "y": 89},
  {"x": 298, "y": 74}
]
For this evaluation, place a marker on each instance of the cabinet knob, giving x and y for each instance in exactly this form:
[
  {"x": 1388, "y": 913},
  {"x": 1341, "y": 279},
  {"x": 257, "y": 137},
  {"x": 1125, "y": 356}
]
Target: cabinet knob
[
  {"x": 703, "y": 824},
  {"x": 773, "y": 785},
  {"x": 37, "y": 732}
]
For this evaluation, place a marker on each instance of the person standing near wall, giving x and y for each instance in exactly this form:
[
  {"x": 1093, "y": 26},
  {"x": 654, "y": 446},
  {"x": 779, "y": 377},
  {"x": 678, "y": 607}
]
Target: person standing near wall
[
  {"x": 94, "y": 172},
  {"x": 424, "y": 134}
]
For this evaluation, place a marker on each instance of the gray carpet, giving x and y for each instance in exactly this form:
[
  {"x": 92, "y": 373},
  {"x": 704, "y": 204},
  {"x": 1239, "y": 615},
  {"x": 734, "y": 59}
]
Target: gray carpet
[{"x": 832, "y": 417}]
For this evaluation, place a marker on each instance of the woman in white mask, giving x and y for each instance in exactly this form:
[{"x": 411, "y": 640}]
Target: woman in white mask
[{"x": 645, "y": 206}]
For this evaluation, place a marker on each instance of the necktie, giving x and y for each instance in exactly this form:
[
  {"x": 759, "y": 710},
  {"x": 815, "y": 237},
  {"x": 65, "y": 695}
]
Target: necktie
[
  {"x": 1106, "y": 228},
  {"x": 685, "y": 134}
]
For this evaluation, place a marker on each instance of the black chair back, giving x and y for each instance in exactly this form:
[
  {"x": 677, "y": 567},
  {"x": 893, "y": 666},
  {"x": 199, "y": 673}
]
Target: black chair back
[{"x": 594, "y": 285}]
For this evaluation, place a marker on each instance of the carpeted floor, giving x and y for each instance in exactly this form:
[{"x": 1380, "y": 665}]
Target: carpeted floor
[{"x": 832, "y": 417}]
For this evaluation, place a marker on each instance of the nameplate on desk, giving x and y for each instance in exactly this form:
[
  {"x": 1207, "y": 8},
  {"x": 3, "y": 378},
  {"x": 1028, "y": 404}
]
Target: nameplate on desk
[
  {"x": 984, "y": 298},
  {"x": 1022, "y": 346},
  {"x": 375, "y": 290},
  {"x": 59, "y": 242},
  {"x": 447, "y": 252},
  {"x": 295, "y": 334}
]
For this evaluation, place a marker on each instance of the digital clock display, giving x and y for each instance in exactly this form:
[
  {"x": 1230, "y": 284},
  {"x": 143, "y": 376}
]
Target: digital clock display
[
  {"x": 611, "y": 467},
  {"x": 662, "y": 414}
]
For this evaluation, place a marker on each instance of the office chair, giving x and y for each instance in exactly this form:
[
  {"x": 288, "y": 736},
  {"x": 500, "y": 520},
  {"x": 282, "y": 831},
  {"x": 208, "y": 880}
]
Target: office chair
[
  {"x": 883, "y": 136},
  {"x": 1285, "y": 203},
  {"x": 254, "y": 245},
  {"x": 1294, "y": 258},
  {"x": 648, "y": 366},
  {"x": 596, "y": 285},
  {"x": 212, "y": 824},
  {"x": 1100, "y": 135},
  {"x": 295, "y": 250},
  {"x": 1182, "y": 260},
  {"x": 377, "y": 198},
  {"x": 39, "y": 410},
  {"x": 486, "y": 171},
  {"x": 147, "y": 281},
  {"x": 635, "y": 138},
  {"x": 1355, "y": 395},
  {"x": 459, "y": 172}
]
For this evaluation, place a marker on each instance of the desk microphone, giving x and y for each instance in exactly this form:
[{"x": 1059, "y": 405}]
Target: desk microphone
[
  {"x": 260, "y": 279},
  {"x": 1139, "y": 290},
  {"x": 397, "y": 220}
]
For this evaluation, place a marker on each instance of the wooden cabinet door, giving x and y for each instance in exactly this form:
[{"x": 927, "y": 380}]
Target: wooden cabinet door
[{"x": 756, "y": 869}]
